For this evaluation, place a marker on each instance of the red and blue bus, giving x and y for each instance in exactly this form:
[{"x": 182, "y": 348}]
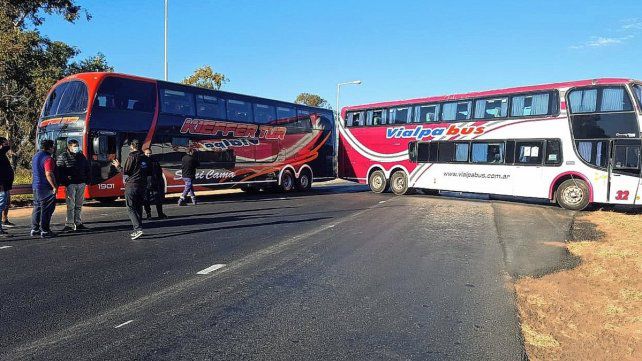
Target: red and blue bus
[
  {"x": 574, "y": 143},
  {"x": 242, "y": 141}
]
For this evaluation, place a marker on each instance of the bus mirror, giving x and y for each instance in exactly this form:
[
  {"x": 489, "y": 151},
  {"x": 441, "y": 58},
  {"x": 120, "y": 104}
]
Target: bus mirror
[{"x": 412, "y": 151}]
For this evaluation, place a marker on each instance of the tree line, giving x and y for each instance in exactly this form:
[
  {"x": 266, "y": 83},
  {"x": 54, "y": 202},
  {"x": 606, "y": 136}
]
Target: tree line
[{"x": 31, "y": 63}]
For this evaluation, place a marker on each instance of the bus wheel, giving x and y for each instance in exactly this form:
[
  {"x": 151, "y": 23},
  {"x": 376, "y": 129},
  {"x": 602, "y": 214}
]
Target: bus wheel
[
  {"x": 287, "y": 181},
  {"x": 377, "y": 181},
  {"x": 573, "y": 194},
  {"x": 304, "y": 183},
  {"x": 399, "y": 183}
]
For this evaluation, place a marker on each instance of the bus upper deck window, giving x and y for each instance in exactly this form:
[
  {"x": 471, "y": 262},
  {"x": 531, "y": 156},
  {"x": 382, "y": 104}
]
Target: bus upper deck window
[{"x": 531, "y": 104}]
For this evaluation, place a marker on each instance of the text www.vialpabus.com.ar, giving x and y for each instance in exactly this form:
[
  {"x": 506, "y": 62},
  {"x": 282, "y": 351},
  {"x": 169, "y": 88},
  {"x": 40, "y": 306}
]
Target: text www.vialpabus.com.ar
[{"x": 476, "y": 175}]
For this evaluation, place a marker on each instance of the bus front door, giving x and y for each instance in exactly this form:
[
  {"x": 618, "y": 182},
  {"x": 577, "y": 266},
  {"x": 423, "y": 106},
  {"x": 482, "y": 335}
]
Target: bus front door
[{"x": 624, "y": 171}]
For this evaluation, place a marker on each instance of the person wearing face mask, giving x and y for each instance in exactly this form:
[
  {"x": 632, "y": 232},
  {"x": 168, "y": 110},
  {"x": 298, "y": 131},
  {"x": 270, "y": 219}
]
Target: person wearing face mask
[
  {"x": 44, "y": 190},
  {"x": 73, "y": 170},
  {"x": 6, "y": 180}
]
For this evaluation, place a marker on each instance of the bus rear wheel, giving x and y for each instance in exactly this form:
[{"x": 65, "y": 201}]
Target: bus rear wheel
[
  {"x": 287, "y": 181},
  {"x": 377, "y": 181},
  {"x": 399, "y": 183},
  {"x": 304, "y": 182},
  {"x": 573, "y": 194}
]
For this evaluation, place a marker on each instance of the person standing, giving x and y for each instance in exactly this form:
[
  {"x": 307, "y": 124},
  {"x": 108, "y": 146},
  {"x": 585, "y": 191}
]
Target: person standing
[
  {"x": 73, "y": 170},
  {"x": 6, "y": 182},
  {"x": 155, "y": 193},
  {"x": 135, "y": 170},
  {"x": 44, "y": 190},
  {"x": 188, "y": 173}
]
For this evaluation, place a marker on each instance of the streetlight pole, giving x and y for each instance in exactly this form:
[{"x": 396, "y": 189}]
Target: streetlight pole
[
  {"x": 336, "y": 125},
  {"x": 166, "y": 40}
]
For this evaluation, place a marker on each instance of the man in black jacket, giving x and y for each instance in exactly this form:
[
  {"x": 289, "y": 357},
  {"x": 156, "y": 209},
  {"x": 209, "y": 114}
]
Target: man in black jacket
[
  {"x": 6, "y": 179},
  {"x": 188, "y": 173},
  {"x": 155, "y": 193},
  {"x": 73, "y": 172},
  {"x": 136, "y": 170}
]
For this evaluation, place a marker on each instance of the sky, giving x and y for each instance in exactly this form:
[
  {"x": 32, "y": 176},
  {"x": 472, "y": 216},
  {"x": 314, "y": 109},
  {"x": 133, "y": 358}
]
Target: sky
[{"x": 398, "y": 49}]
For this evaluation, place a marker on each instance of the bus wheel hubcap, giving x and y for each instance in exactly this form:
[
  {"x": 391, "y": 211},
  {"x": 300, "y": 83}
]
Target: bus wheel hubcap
[
  {"x": 287, "y": 182},
  {"x": 573, "y": 195},
  {"x": 400, "y": 183},
  {"x": 377, "y": 182},
  {"x": 304, "y": 181}
]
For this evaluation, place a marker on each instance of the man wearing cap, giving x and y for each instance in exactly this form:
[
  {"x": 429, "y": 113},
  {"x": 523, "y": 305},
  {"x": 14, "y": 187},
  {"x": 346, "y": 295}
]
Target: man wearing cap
[
  {"x": 73, "y": 170},
  {"x": 136, "y": 170}
]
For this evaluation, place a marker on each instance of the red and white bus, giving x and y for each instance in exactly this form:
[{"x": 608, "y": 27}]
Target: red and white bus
[
  {"x": 574, "y": 143},
  {"x": 244, "y": 141}
]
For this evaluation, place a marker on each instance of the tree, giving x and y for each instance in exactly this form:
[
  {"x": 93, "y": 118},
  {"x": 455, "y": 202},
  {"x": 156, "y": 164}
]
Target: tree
[
  {"x": 205, "y": 77},
  {"x": 97, "y": 62},
  {"x": 312, "y": 100},
  {"x": 29, "y": 65}
]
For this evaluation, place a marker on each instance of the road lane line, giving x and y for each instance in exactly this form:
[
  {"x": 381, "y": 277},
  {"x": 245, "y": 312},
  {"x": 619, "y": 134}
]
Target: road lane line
[
  {"x": 210, "y": 269},
  {"x": 4, "y": 247},
  {"x": 382, "y": 202},
  {"x": 124, "y": 323}
]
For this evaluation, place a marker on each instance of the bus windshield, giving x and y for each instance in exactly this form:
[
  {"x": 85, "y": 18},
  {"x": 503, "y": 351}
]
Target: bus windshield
[{"x": 67, "y": 98}]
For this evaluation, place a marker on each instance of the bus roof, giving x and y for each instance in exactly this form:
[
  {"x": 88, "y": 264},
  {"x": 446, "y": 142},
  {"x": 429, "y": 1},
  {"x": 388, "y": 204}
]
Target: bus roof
[
  {"x": 489, "y": 93},
  {"x": 95, "y": 77}
]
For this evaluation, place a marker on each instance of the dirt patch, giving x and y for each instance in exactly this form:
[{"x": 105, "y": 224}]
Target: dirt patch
[{"x": 593, "y": 311}]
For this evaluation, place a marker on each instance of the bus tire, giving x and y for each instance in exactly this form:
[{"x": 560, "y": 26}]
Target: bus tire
[
  {"x": 573, "y": 194},
  {"x": 304, "y": 182},
  {"x": 378, "y": 182},
  {"x": 399, "y": 183},
  {"x": 287, "y": 181}
]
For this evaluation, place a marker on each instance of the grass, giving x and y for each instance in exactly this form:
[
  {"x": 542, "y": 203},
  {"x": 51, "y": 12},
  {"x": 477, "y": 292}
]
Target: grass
[
  {"x": 22, "y": 176},
  {"x": 593, "y": 311}
]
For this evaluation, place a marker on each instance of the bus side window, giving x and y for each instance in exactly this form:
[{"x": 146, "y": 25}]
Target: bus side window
[
  {"x": 510, "y": 152},
  {"x": 553, "y": 152},
  {"x": 423, "y": 152},
  {"x": 529, "y": 152},
  {"x": 433, "y": 154}
]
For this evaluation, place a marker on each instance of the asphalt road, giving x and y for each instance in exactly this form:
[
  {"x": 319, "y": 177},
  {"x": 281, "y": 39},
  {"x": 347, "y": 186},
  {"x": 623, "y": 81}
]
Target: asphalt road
[{"x": 337, "y": 273}]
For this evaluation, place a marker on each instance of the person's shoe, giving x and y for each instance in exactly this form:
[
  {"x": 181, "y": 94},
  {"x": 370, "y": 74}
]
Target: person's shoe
[
  {"x": 136, "y": 234},
  {"x": 47, "y": 234},
  {"x": 181, "y": 202},
  {"x": 194, "y": 201},
  {"x": 66, "y": 229},
  {"x": 81, "y": 228},
  {"x": 34, "y": 233},
  {"x": 149, "y": 216},
  {"x": 8, "y": 224},
  {"x": 162, "y": 216}
]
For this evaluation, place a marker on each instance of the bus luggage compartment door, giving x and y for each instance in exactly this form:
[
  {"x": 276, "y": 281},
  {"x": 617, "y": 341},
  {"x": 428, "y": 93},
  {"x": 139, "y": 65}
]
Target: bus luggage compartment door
[{"x": 624, "y": 171}]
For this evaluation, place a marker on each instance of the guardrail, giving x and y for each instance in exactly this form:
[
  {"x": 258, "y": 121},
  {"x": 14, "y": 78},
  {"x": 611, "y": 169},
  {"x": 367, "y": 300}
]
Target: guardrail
[{"x": 21, "y": 189}]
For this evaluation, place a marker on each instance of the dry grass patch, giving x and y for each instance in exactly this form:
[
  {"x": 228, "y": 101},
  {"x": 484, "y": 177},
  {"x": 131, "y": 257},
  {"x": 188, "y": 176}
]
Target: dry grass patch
[{"x": 595, "y": 310}]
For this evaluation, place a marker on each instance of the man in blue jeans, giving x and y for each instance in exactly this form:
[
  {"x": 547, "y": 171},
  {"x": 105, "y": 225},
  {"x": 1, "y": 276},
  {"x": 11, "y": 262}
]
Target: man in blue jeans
[
  {"x": 44, "y": 190},
  {"x": 188, "y": 173}
]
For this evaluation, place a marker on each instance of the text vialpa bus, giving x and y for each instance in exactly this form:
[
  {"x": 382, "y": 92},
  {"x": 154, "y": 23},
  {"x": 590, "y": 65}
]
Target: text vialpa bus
[{"x": 574, "y": 143}]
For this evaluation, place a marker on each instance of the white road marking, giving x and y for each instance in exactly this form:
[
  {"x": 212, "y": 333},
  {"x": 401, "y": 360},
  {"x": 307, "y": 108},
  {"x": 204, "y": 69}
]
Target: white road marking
[
  {"x": 4, "y": 247},
  {"x": 124, "y": 323},
  {"x": 382, "y": 202},
  {"x": 210, "y": 269}
]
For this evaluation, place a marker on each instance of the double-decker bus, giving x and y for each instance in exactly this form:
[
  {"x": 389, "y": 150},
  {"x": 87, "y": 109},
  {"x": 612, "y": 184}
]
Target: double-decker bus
[
  {"x": 244, "y": 141},
  {"x": 574, "y": 143}
]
